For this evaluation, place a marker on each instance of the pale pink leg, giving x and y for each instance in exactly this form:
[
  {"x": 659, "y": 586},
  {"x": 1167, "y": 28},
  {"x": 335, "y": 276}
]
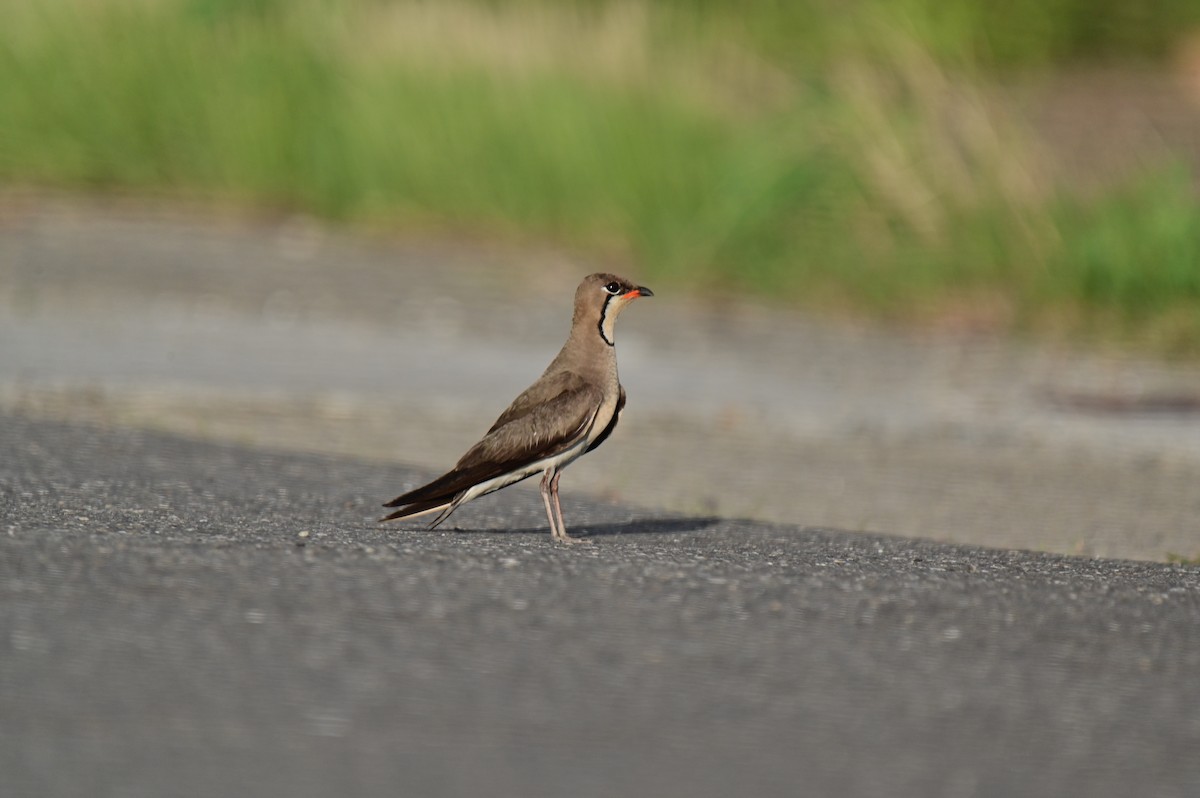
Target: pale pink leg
[
  {"x": 562, "y": 528},
  {"x": 546, "y": 478}
]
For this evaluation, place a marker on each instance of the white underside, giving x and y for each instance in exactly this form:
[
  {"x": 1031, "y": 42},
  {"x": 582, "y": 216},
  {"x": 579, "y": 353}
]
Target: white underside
[{"x": 557, "y": 462}]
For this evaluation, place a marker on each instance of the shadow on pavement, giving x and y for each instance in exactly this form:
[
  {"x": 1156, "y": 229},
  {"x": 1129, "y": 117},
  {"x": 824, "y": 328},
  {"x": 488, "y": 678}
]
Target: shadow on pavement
[{"x": 652, "y": 526}]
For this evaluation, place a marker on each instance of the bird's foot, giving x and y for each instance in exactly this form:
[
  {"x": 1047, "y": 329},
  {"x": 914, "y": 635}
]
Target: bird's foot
[{"x": 563, "y": 537}]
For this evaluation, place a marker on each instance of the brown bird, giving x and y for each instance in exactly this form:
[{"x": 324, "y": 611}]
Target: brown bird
[{"x": 570, "y": 410}]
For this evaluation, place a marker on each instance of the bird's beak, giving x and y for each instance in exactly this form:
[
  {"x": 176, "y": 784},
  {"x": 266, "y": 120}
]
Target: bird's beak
[{"x": 641, "y": 290}]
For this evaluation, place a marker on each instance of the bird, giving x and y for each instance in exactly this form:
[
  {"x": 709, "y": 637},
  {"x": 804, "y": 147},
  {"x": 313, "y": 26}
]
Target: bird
[{"x": 566, "y": 413}]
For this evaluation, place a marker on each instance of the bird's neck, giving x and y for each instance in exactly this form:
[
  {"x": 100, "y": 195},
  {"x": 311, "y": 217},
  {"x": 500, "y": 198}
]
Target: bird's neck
[{"x": 587, "y": 353}]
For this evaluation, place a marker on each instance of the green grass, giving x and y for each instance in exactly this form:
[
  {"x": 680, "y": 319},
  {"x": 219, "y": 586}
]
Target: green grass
[
  {"x": 844, "y": 162},
  {"x": 1181, "y": 559}
]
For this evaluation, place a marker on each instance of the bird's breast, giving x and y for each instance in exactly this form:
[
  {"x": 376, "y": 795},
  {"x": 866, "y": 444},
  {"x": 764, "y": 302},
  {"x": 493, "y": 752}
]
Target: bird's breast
[{"x": 604, "y": 414}]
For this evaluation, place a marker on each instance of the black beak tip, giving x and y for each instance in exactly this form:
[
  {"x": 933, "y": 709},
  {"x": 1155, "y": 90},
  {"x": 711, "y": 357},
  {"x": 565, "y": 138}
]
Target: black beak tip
[{"x": 644, "y": 291}]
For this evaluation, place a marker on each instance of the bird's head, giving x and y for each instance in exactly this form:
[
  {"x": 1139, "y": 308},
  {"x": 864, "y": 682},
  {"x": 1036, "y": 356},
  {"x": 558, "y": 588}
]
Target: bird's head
[{"x": 601, "y": 297}]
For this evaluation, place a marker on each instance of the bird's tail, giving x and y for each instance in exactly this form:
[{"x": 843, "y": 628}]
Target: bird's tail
[
  {"x": 442, "y": 505},
  {"x": 445, "y": 494}
]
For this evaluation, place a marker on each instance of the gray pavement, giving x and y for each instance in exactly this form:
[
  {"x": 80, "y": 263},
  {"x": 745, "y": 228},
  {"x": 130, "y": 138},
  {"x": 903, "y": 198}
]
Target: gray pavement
[
  {"x": 187, "y": 618},
  {"x": 277, "y": 332},
  {"x": 200, "y": 416}
]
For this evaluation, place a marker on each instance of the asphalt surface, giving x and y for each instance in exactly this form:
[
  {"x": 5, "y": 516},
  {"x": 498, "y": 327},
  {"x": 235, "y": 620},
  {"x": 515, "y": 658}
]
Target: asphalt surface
[
  {"x": 184, "y": 618},
  {"x": 286, "y": 334}
]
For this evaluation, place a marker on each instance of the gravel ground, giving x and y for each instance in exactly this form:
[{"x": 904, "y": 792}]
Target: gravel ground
[{"x": 188, "y": 618}]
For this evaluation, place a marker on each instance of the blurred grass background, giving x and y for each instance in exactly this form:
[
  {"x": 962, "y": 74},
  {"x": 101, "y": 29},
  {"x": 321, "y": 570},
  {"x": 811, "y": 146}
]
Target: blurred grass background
[{"x": 865, "y": 157}]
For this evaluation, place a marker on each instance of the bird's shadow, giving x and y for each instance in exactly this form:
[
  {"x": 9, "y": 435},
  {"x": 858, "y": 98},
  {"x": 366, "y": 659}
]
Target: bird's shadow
[{"x": 650, "y": 526}]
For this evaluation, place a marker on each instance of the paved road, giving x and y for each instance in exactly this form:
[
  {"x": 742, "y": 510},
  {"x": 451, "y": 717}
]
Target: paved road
[
  {"x": 290, "y": 335},
  {"x": 197, "y": 619}
]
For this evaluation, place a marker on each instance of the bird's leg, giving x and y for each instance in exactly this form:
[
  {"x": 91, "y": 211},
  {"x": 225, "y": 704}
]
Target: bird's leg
[
  {"x": 546, "y": 477},
  {"x": 562, "y": 527}
]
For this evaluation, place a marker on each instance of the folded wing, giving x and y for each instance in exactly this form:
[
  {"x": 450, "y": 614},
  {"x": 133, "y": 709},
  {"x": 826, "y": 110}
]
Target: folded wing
[{"x": 523, "y": 435}]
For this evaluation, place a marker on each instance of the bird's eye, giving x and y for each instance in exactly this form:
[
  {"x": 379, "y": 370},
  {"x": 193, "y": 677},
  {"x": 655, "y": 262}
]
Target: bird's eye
[{"x": 613, "y": 288}]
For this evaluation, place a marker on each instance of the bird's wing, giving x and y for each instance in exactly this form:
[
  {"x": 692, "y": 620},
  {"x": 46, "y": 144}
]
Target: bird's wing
[
  {"x": 548, "y": 388},
  {"x": 612, "y": 423},
  {"x": 544, "y": 430}
]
